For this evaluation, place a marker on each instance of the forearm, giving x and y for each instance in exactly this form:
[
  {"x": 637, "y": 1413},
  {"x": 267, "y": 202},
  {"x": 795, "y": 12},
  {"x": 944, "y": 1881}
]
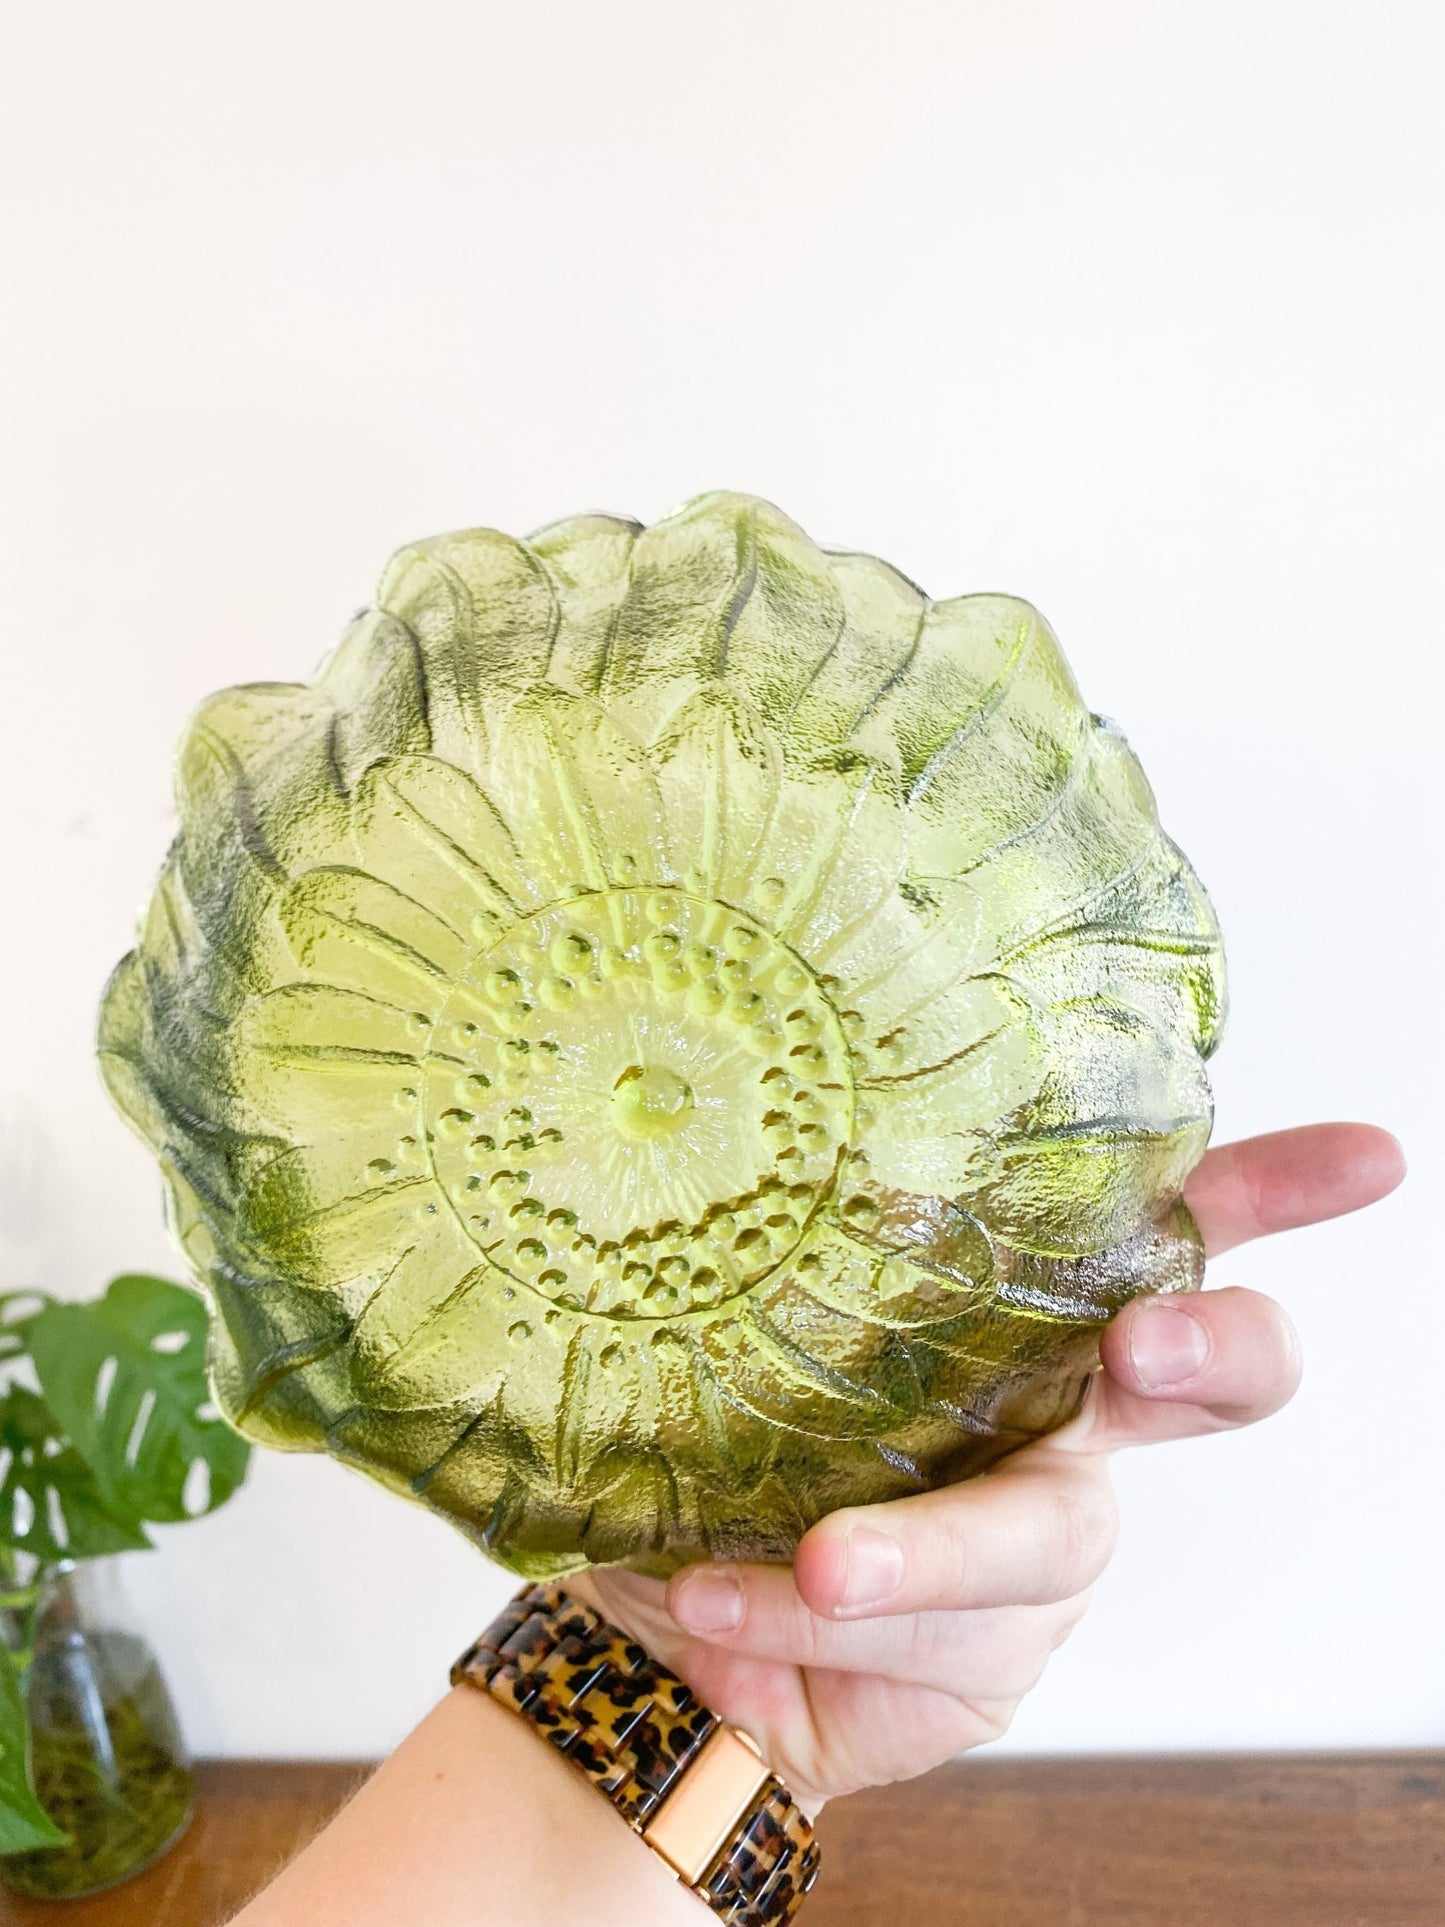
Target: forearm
[{"x": 475, "y": 1819}]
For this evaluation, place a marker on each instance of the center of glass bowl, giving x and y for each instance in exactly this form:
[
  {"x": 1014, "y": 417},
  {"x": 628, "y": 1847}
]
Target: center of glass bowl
[
  {"x": 650, "y": 1101},
  {"x": 637, "y": 1101}
]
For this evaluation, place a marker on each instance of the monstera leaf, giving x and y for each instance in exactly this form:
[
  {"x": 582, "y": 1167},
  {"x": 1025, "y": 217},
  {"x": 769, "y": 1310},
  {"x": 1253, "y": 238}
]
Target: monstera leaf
[
  {"x": 125, "y": 1377},
  {"x": 18, "y": 1309},
  {"x": 675, "y": 1031},
  {"x": 51, "y": 1503},
  {"x": 120, "y": 1432}
]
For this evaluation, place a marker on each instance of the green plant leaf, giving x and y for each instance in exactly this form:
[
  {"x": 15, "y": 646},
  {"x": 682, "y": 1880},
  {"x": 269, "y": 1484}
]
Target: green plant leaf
[
  {"x": 50, "y": 1503},
  {"x": 126, "y": 1378},
  {"x": 24, "y": 1823},
  {"x": 18, "y": 1311}
]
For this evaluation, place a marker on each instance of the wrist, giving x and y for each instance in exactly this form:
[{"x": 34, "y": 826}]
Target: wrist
[
  {"x": 638, "y": 1605},
  {"x": 696, "y": 1789}
]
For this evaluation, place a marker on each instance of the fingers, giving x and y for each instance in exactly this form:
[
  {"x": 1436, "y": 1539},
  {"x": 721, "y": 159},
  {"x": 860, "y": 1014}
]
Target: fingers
[
  {"x": 997, "y": 1654},
  {"x": 831, "y": 1733},
  {"x": 1180, "y": 1366},
  {"x": 1001, "y": 1653},
  {"x": 823, "y": 1731},
  {"x": 1031, "y": 1533},
  {"x": 1290, "y": 1178}
]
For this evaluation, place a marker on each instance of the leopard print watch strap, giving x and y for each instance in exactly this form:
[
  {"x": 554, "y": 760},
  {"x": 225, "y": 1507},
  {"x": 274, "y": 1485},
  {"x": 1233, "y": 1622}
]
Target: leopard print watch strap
[{"x": 691, "y": 1785}]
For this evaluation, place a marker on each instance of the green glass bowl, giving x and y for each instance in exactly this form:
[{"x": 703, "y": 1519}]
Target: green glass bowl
[{"x": 671, "y": 1033}]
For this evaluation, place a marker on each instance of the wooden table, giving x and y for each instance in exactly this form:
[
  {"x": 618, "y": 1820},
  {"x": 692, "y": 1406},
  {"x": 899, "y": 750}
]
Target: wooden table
[{"x": 1216, "y": 1841}]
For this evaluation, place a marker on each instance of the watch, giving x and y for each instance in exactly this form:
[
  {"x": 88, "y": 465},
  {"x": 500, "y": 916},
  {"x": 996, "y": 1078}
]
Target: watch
[{"x": 696, "y": 1789}]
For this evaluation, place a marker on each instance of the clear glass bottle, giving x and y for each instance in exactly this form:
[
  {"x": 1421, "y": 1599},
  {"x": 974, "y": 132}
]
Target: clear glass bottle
[{"x": 109, "y": 1764}]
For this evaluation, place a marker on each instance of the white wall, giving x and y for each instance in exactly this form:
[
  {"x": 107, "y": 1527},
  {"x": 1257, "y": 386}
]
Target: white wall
[{"x": 1133, "y": 308}]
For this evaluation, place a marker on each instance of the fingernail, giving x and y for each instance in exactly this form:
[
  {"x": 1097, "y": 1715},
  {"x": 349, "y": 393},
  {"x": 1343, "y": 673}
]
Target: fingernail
[
  {"x": 707, "y": 1601},
  {"x": 872, "y": 1568},
  {"x": 1167, "y": 1345}
]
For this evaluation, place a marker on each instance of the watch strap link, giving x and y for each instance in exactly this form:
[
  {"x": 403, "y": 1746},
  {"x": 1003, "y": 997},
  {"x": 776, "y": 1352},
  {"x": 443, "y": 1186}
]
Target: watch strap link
[{"x": 635, "y": 1729}]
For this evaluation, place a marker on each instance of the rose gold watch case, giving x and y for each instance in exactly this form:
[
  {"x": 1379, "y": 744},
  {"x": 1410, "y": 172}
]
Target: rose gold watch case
[{"x": 702, "y": 1810}]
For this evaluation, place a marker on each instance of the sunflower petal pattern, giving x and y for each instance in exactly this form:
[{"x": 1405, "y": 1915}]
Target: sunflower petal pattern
[{"x": 672, "y": 1032}]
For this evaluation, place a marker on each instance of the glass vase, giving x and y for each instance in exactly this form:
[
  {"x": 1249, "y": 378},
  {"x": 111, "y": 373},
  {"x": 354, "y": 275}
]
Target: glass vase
[{"x": 107, "y": 1757}]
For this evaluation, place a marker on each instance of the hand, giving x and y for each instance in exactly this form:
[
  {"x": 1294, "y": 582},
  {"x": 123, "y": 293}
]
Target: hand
[{"x": 907, "y": 1632}]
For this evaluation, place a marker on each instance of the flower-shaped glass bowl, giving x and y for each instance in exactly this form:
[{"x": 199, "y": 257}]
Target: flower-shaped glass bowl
[{"x": 671, "y": 1033}]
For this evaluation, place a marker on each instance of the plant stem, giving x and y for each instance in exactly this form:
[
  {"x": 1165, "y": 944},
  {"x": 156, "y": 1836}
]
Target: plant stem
[{"x": 28, "y": 1603}]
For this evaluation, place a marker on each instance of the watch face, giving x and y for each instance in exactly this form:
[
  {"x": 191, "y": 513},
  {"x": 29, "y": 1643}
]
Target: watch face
[
  {"x": 672, "y": 1032},
  {"x": 703, "y": 1811}
]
